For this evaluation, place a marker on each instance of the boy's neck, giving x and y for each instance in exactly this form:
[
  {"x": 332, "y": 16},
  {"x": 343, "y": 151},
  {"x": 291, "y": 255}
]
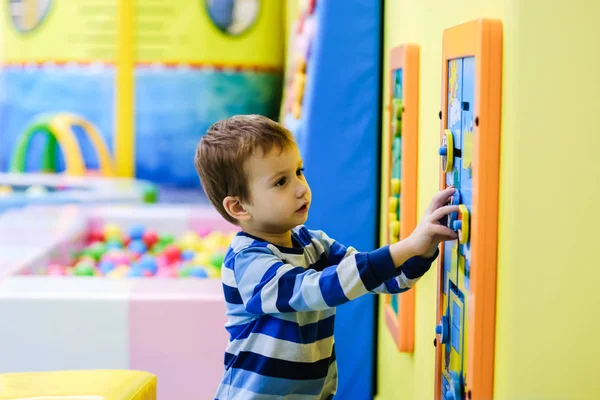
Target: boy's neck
[{"x": 279, "y": 239}]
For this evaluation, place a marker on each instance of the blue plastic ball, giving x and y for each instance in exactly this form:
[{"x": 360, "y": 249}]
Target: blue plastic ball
[
  {"x": 188, "y": 255},
  {"x": 113, "y": 244},
  {"x": 135, "y": 272},
  {"x": 148, "y": 263},
  {"x": 137, "y": 232},
  {"x": 106, "y": 266},
  {"x": 137, "y": 246},
  {"x": 198, "y": 272}
]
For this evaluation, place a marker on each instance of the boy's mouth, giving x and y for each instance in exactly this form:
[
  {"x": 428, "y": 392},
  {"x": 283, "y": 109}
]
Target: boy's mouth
[{"x": 303, "y": 209}]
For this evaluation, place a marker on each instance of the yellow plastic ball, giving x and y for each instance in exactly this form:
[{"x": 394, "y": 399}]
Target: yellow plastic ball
[
  {"x": 119, "y": 271},
  {"x": 202, "y": 258},
  {"x": 112, "y": 231},
  {"x": 189, "y": 241}
]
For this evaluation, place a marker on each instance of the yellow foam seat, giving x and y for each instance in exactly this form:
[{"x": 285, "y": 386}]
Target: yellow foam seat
[{"x": 78, "y": 385}]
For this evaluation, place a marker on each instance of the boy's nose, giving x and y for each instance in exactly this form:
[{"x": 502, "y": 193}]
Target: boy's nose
[{"x": 302, "y": 189}]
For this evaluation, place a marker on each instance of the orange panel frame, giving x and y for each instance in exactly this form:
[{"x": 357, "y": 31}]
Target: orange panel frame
[
  {"x": 482, "y": 39},
  {"x": 405, "y": 57}
]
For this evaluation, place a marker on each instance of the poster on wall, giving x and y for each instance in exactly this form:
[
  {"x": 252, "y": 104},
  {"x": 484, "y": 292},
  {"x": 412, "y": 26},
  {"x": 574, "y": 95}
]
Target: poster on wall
[{"x": 194, "y": 62}]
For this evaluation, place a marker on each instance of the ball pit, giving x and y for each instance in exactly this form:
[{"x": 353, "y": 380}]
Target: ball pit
[
  {"x": 118, "y": 287},
  {"x": 140, "y": 252}
]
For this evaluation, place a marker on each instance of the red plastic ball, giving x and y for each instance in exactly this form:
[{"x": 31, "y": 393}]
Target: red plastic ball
[
  {"x": 150, "y": 238},
  {"x": 95, "y": 235},
  {"x": 172, "y": 253}
]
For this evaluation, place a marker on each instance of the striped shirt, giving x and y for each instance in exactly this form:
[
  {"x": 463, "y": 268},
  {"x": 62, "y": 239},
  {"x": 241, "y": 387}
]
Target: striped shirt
[{"x": 281, "y": 309}]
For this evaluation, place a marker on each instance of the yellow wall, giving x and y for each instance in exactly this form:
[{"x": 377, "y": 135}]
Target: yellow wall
[
  {"x": 547, "y": 274},
  {"x": 180, "y": 31}
]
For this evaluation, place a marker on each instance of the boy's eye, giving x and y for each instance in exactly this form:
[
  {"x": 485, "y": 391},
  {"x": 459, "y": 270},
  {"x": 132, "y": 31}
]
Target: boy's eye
[
  {"x": 280, "y": 182},
  {"x": 300, "y": 171}
]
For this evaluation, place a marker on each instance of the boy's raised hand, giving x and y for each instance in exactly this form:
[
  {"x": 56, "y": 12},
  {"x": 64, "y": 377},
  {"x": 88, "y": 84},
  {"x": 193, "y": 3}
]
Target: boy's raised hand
[{"x": 429, "y": 233}]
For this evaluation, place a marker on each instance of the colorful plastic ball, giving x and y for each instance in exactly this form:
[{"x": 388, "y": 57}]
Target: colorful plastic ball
[
  {"x": 172, "y": 253},
  {"x": 84, "y": 269},
  {"x": 113, "y": 244},
  {"x": 190, "y": 241},
  {"x": 202, "y": 258},
  {"x": 198, "y": 272},
  {"x": 148, "y": 263},
  {"x": 217, "y": 260},
  {"x": 112, "y": 231},
  {"x": 119, "y": 271},
  {"x": 137, "y": 232},
  {"x": 204, "y": 231},
  {"x": 188, "y": 255},
  {"x": 135, "y": 272},
  {"x": 126, "y": 240},
  {"x": 184, "y": 271},
  {"x": 158, "y": 248},
  {"x": 150, "y": 238},
  {"x": 95, "y": 251},
  {"x": 120, "y": 258},
  {"x": 95, "y": 235},
  {"x": 166, "y": 239},
  {"x": 137, "y": 246},
  {"x": 166, "y": 273},
  {"x": 106, "y": 266}
]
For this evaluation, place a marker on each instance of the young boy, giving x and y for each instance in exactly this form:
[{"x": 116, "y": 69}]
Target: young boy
[{"x": 283, "y": 281}]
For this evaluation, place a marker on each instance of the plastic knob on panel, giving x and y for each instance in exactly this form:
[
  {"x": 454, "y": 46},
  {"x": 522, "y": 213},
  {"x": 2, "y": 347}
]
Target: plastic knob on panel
[
  {"x": 396, "y": 186},
  {"x": 443, "y": 329},
  {"x": 446, "y": 151},
  {"x": 456, "y": 225},
  {"x": 464, "y": 224},
  {"x": 454, "y": 216}
]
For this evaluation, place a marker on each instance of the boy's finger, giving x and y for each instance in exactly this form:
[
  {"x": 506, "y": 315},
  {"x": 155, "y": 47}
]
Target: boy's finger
[
  {"x": 441, "y": 198},
  {"x": 442, "y": 211},
  {"x": 444, "y": 232}
]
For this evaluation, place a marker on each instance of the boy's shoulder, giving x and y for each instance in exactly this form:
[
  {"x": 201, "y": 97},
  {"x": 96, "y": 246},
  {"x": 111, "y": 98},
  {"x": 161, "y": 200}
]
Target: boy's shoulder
[{"x": 244, "y": 241}]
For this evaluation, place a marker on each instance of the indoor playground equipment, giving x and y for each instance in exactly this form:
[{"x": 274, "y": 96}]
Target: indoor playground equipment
[
  {"x": 59, "y": 131},
  {"x": 20, "y": 190},
  {"x": 470, "y": 154},
  {"x": 143, "y": 78},
  {"x": 400, "y": 161},
  {"x": 331, "y": 104},
  {"x": 79, "y": 385},
  {"x": 142, "y": 295}
]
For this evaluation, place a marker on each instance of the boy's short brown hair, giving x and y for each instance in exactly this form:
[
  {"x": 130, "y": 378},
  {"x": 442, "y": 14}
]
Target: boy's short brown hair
[{"x": 222, "y": 151}]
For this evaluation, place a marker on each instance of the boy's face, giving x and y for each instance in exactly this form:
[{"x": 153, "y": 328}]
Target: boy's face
[{"x": 279, "y": 194}]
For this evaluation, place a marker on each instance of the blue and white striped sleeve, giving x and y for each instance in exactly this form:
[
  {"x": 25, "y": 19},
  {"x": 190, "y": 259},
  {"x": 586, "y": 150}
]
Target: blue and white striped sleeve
[
  {"x": 267, "y": 285},
  {"x": 410, "y": 272}
]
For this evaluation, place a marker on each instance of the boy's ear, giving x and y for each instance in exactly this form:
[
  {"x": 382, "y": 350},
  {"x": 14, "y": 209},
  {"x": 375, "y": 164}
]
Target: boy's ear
[{"x": 235, "y": 208}]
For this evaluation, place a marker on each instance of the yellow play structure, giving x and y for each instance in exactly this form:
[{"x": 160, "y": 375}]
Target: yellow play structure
[
  {"x": 58, "y": 129},
  {"x": 546, "y": 296}
]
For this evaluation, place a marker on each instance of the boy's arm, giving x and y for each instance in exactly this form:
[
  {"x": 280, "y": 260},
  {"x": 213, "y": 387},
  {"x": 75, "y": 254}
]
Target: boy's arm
[
  {"x": 267, "y": 285},
  {"x": 412, "y": 269}
]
